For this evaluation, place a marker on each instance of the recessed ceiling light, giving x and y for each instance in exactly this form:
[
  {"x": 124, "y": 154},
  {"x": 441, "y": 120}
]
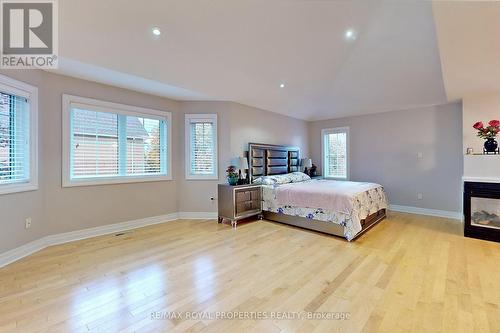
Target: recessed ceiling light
[
  {"x": 156, "y": 31},
  {"x": 282, "y": 85},
  {"x": 350, "y": 35}
]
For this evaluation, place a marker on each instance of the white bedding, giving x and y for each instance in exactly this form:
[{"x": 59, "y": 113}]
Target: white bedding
[{"x": 359, "y": 200}]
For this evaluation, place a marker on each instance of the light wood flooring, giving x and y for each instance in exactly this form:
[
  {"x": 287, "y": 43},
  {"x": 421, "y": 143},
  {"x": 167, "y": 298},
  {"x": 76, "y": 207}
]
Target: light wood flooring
[{"x": 410, "y": 273}]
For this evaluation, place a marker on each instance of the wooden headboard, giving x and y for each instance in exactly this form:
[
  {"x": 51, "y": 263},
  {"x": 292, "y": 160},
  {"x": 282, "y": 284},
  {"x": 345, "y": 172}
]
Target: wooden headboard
[{"x": 265, "y": 160}]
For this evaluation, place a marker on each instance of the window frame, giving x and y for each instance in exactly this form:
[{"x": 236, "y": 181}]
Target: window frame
[
  {"x": 336, "y": 130},
  {"x": 19, "y": 88},
  {"x": 208, "y": 117},
  {"x": 69, "y": 101}
]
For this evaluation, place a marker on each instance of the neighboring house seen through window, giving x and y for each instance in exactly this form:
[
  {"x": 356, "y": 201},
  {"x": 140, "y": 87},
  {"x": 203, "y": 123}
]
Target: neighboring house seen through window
[{"x": 109, "y": 143}]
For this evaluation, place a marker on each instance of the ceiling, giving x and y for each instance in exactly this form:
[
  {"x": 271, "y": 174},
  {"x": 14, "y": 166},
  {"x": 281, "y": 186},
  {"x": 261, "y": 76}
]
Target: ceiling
[
  {"x": 242, "y": 50},
  {"x": 469, "y": 44}
]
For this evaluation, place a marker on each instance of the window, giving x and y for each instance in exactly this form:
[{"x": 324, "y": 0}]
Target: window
[
  {"x": 106, "y": 143},
  {"x": 201, "y": 146},
  {"x": 18, "y": 136},
  {"x": 336, "y": 152}
]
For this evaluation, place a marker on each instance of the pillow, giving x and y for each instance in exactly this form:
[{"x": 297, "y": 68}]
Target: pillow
[
  {"x": 294, "y": 177},
  {"x": 298, "y": 176},
  {"x": 265, "y": 180}
]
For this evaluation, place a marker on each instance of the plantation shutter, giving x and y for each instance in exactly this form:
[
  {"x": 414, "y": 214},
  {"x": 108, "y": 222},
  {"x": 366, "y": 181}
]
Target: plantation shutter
[
  {"x": 336, "y": 154},
  {"x": 14, "y": 139},
  {"x": 202, "y": 147}
]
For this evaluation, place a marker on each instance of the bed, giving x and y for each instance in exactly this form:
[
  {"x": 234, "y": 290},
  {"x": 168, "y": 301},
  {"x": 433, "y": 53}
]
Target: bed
[{"x": 340, "y": 208}]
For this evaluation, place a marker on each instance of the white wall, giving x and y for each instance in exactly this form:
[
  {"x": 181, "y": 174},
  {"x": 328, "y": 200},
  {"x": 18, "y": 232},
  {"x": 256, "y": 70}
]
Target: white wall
[{"x": 480, "y": 107}]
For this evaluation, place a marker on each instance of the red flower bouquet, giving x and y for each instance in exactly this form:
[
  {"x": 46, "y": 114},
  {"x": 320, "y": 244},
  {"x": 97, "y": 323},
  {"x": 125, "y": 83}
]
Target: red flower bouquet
[{"x": 489, "y": 133}]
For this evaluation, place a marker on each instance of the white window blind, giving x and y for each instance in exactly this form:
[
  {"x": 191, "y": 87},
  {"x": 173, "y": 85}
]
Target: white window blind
[
  {"x": 14, "y": 139},
  {"x": 95, "y": 144},
  {"x": 201, "y": 143},
  {"x": 202, "y": 148},
  {"x": 335, "y": 153},
  {"x": 146, "y": 147},
  {"x": 108, "y": 145}
]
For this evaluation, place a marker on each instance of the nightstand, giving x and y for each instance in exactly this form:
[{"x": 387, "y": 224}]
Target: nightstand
[{"x": 239, "y": 202}]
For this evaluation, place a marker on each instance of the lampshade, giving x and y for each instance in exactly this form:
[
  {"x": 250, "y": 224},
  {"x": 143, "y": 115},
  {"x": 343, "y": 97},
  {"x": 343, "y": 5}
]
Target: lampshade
[
  {"x": 243, "y": 163},
  {"x": 307, "y": 163}
]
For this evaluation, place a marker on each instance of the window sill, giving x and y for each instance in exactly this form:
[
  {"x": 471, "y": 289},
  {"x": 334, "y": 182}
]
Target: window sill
[
  {"x": 17, "y": 188},
  {"x": 113, "y": 180},
  {"x": 337, "y": 178},
  {"x": 200, "y": 177}
]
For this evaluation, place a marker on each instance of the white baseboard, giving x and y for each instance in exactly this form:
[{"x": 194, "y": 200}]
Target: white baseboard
[
  {"x": 22, "y": 251},
  {"x": 108, "y": 229},
  {"x": 425, "y": 211},
  {"x": 39, "y": 244},
  {"x": 198, "y": 215}
]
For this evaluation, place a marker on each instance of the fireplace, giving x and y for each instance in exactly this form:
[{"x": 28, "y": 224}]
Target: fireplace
[{"x": 482, "y": 210}]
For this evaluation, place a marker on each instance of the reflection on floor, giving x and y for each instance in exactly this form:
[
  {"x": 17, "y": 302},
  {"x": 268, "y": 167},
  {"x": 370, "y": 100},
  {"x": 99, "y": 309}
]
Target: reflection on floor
[{"x": 409, "y": 273}]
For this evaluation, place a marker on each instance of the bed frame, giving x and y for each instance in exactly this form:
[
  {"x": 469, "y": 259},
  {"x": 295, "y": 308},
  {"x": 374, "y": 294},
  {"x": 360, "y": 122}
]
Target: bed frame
[{"x": 265, "y": 160}]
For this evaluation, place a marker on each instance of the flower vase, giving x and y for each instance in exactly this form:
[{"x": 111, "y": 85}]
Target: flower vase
[
  {"x": 232, "y": 180},
  {"x": 490, "y": 145}
]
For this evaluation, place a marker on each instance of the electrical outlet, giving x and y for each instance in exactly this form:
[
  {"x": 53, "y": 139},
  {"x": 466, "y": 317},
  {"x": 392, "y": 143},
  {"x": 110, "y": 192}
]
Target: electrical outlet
[
  {"x": 27, "y": 224},
  {"x": 420, "y": 196},
  {"x": 420, "y": 155}
]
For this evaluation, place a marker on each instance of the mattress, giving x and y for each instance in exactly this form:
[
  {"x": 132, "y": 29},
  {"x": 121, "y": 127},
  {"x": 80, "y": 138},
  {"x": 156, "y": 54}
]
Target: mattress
[{"x": 362, "y": 203}]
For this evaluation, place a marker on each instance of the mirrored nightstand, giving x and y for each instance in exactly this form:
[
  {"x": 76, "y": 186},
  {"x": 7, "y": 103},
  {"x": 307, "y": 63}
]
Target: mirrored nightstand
[{"x": 239, "y": 202}]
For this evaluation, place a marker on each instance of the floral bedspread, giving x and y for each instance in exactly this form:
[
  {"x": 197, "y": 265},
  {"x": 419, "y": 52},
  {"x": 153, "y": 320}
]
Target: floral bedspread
[{"x": 364, "y": 204}]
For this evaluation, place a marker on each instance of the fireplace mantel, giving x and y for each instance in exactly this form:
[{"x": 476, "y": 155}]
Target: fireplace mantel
[
  {"x": 482, "y": 168},
  {"x": 481, "y": 179}
]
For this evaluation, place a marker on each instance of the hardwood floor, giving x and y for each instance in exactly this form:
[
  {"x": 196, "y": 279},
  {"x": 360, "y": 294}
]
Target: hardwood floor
[{"x": 408, "y": 274}]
